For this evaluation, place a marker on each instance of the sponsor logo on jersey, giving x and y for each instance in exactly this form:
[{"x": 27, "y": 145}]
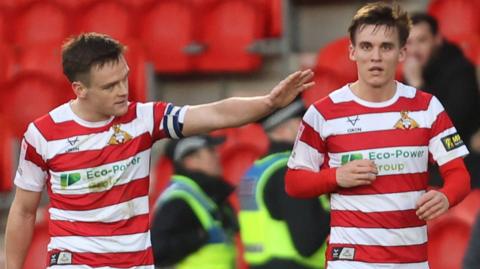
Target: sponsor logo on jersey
[
  {"x": 101, "y": 178},
  {"x": 119, "y": 136},
  {"x": 71, "y": 142},
  {"x": 69, "y": 179},
  {"x": 405, "y": 122},
  {"x": 61, "y": 258},
  {"x": 451, "y": 142},
  {"x": 384, "y": 156},
  {"x": 343, "y": 253}
]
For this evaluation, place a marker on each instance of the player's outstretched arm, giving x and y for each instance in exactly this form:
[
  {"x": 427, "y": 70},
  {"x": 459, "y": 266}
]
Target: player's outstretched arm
[
  {"x": 236, "y": 111},
  {"x": 20, "y": 224}
]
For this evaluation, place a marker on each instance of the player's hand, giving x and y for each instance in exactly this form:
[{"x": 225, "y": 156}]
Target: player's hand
[
  {"x": 356, "y": 173},
  {"x": 431, "y": 205},
  {"x": 285, "y": 91}
]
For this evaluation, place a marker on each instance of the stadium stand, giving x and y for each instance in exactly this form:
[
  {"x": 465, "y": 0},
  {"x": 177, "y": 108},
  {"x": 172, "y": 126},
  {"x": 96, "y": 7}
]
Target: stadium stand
[{"x": 334, "y": 56}]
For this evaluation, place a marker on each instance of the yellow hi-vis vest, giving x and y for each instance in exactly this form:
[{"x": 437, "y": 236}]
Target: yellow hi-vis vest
[
  {"x": 219, "y": 252},
  {"x": 263, "y": 237}
]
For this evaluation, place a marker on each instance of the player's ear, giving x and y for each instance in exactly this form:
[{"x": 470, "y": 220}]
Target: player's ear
[
  {"x": 79, "y": 89},
  {"x": 351, "y": 52}
]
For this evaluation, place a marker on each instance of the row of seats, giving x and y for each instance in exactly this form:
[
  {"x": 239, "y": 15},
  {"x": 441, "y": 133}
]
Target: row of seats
[{"x": 178, "y": 35}]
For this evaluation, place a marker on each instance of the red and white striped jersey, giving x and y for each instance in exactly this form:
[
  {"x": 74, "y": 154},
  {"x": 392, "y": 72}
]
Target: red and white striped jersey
[
  {"x": 97, "y": 177},
  {"x": 375, "y": 226}
]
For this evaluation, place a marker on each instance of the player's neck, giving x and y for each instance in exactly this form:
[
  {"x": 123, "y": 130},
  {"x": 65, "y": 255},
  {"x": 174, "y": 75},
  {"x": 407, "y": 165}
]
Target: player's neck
[
  {"x": 85, "y": 112},
  {"x": 369, "y": 93}
]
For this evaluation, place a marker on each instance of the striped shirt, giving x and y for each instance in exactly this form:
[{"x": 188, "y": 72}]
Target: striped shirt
[
  {"x": 97, "y": 178},
  {"x": 375, "y": 226}
]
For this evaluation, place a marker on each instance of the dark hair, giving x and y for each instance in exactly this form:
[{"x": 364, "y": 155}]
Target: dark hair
[
  {"x": 378, "y": 14},
  {"x": 81, "y": 52},
  {"x": 424, "y": 17}
]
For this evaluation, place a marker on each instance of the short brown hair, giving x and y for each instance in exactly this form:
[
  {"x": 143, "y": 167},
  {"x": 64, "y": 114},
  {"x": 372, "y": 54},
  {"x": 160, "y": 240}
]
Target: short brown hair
[
  {"x": 379, "y": 14},
  {"x": 81, "y": 52}
]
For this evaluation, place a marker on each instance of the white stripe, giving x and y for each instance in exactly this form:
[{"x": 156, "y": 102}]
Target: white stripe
[
  {"x": 102, "y": 244},
  {"x": 145, "y": 113},
  {"x": 345, "y": 95},
  {"x": 305, "y": 157},
  {"x": 379, "y": 237},
  {"x": 94, "y": 141},
  {"x": 104, "y": 177},
  {"x": 440, "y": 153},
  {"x": 171, "y": 130},
  {"x": 315, "y": 120},
  {"x": 117, "y": 212},
  {"x": 376, "y": 202},
  {"x": 103, "y": 267},
  {"x": 368, "y": 265},
  {"x": 389, "y": 161}
]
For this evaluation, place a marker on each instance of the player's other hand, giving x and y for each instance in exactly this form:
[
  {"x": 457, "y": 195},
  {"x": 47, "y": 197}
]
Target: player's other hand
[
  {"x": 356, "y": 173},
  {"x": 286, "y": 91},
  {"x": 431, "y": 205}
]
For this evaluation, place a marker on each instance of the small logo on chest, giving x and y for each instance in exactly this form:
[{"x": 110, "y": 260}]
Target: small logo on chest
[
  {"x": 119, "y": 136},
  {"x": 406, "y": 122}
]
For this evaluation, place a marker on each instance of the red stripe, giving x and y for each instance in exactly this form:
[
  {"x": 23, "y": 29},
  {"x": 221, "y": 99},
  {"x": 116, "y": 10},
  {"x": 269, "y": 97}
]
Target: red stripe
[
  {"x": 386, "y": 220},
  {"x": 158, "y": 112},
  {"x": 120, "y": 260},
  {"x": 32, "y": 156},
  {"x": 94, "y": 158},
  {"x": 381, "y": 254},
  {"x": 312, "y": 138},
  {"x": 378, "y": 139},
  {"x": 441, "y": 124},
  {"x": 133, "y": 225},
  {"x": 331, "y": 110},
  {"x": 51, "y": 130},
  {"x": 89, "y": 201},
  {"x": 390, "y": 184}
]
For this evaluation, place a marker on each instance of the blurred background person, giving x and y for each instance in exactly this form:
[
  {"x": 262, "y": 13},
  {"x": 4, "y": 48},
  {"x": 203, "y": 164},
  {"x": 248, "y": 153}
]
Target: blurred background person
[
  {"x": 435, "y": 65},
  {"x": 278, "y": 231},
  {"x": 194, "y": 224}
]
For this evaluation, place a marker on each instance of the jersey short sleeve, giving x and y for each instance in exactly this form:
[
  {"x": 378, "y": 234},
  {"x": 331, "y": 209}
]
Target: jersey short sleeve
[
  {"x": 309, "y": 149},
  {"x": 32, "y": 169},
  {"x": 164, "y": 119},
  {"x": 445, "y": 143}
]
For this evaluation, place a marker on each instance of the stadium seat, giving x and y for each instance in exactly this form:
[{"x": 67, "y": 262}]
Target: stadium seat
[
  {"x": 4, "y": 27},
  {"x": 6, "y": 156},
  {"x": 276, "y": 18},
  {"x": 43, "y": 58},
  {"x": 31, "y": 95},
  {"x": 335, "y": 56},
  {"x": 137, "y": 61},
  {"x": 167, "y": 30},
  {"x": 456, "y": 18},
  {"x": 228, "y": 38},
  {"x": 108, "y": 17},
  {"x": 138, "y": 4},
  {"x": 41, "y": 22},
  {"x": 8, "y": 63},
  {"x": 163, "y": 172},
  {"x": 13, "y": 4},
  {"x": 449, "y": 234},
  {"x": 326, "y": 81},
  {"x": 74, "y": 5}
]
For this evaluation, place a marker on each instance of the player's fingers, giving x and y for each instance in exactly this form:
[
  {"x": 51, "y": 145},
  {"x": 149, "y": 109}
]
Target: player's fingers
[
  {"x": 365, "y": 176},
  {"x": 306, "y": 76},
  {"x": 427, "y": 214},
  {"x": 436, "y": 214},
  {"x": 307, "y": 85},
  {"x": 364, "y": 169},
  {"x": 424, "y": 198}
]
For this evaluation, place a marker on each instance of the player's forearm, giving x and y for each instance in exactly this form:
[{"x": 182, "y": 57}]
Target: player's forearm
[
  {"x": 307, "y": 184},
  {"x": 18, "y": 236},
  {"x": 231, "y": 112},
  {"x": 457, "y": 181}
]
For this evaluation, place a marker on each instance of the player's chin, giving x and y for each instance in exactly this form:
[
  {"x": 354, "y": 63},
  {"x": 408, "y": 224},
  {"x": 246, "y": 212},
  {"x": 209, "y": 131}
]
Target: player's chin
[{"x": 120, "y": 110}]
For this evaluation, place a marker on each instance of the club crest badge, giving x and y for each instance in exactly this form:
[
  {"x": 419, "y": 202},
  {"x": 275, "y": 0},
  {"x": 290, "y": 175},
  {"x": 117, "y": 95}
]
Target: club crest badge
[
  {"x": 119, "y": 136},
  {"x": 405, "y": 122}
]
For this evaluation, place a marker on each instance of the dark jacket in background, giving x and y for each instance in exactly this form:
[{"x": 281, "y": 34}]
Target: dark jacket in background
[
  {"x": 176, "y": 232},
  {"x": 472, "y": 256}
]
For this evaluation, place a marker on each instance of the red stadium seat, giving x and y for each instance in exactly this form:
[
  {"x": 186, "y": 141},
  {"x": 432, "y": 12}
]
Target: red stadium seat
[
  {"x": 137, "y": 61},
  {"x": 228, "y": 37},
  {"x": 8, "y": 63},
  {"x": 449, "y": 235},
  {"x": 163, "y": 173},
  {"x": 326, "y": 81},
  {"x": 456, "y": 18},
  {"x": 74, "y": 5},
  {"x": 31, "y": 95},
  {"x": 4, "y": 27},
  {"x": 276, "y": 18},
  {"x": 45, "y": 59},
  {"x": 167, "y": 29},
  {"x": 40, "y": 23},
  {"x": 138, "y": 4},
  {"x": 12, "y": 4},
  {"x": 335, "y": 56},
  {"x": 470, "y": 45},
  {"x": 6, "y": 156},
  {"x": 108, "y": 17}
]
